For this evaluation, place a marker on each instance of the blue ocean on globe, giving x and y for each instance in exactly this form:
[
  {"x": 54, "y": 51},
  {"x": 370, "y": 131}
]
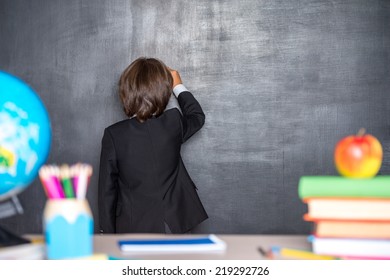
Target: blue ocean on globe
[{"x": 25, "y": 135}]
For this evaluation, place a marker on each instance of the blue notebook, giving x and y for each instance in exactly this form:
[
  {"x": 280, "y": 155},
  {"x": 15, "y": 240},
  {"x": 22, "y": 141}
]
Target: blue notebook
[{"x": 200, "y": 244}]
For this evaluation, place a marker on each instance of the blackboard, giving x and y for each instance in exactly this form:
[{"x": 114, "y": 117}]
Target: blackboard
[{"x": 280, "y": 82}]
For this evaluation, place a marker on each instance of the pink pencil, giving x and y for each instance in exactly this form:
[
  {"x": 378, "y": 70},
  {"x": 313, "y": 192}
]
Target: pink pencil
[
  {"x": 55, "y": 174},
  {"x": 74, "y": 173},
  {"x": 53, "y": 190}
]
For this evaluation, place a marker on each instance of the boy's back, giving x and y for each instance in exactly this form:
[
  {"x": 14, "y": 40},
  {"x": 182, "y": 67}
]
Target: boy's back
[{"x": 143, "y": 182}]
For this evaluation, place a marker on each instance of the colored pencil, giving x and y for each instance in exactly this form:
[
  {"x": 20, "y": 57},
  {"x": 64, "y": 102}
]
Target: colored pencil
[
  {"x": 85, "y": 172},
  {"x": 74, "y": 172},
  {"x": 66, "y": 181},
  {"x": 55, "y": 173},
  {"x": 297, "y": 254},
  {"x": 49, "y": 183}
]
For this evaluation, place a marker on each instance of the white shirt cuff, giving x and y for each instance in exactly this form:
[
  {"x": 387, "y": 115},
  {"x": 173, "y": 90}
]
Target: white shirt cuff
[{"x": 179, "y": 89}]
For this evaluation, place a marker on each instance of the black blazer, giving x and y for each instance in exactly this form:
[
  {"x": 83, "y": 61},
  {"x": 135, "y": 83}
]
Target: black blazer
[{"x": 142, "y": 179}]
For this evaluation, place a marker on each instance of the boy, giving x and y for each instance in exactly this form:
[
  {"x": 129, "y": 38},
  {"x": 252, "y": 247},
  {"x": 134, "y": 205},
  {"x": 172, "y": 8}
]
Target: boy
[{"x": 143, "y": 184}]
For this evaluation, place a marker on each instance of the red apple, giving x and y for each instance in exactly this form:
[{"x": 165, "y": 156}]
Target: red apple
[{"x": 358, "y": 156}]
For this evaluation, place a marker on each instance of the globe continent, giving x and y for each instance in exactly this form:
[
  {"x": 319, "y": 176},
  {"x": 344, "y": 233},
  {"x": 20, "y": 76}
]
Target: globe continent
[{"x": 25, "y": 135}]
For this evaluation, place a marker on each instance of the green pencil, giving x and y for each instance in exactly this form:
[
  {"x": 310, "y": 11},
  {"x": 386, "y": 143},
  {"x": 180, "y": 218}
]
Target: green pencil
[{"x": 66, "y": 181}]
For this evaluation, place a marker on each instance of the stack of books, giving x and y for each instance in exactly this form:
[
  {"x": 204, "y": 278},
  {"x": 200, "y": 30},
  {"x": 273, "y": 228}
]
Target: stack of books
[{"x": 351, "y": 216}]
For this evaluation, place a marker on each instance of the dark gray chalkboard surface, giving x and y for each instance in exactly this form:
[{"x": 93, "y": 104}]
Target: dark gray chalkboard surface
[{"x": 280, "y": 82}]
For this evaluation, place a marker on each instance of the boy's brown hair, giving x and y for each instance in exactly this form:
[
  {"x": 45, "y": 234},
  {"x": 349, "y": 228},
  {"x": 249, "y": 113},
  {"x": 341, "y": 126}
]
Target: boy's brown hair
[{"x": 145, "y": 88}]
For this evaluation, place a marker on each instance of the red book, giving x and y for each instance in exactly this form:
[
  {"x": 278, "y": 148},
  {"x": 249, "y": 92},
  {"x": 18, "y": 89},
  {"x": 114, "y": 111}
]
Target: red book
[{"x": 351, "y": 228}]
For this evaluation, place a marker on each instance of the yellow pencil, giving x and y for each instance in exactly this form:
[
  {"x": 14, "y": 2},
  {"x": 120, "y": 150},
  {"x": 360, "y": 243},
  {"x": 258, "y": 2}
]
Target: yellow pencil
[{"x": 298, "y": 254}]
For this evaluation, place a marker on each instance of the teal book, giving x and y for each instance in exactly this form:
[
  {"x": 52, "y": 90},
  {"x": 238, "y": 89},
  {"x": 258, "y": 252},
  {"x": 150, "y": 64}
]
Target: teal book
[{"x": 337, "y": 186}]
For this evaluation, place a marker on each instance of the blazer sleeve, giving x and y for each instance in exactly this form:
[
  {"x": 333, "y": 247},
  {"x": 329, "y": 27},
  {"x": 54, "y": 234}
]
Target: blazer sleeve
[
  {"x": 193, "y": 117},
  {"x": 108, "y": 185}
]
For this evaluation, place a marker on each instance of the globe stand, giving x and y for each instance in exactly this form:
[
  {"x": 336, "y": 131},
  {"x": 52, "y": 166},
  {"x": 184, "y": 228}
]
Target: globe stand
[{"x": 10, "y": 208}]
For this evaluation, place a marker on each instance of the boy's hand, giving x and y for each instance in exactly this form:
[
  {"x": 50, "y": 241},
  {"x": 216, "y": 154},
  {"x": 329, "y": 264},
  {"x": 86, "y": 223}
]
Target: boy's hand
[{"x": 176, "y": 77}]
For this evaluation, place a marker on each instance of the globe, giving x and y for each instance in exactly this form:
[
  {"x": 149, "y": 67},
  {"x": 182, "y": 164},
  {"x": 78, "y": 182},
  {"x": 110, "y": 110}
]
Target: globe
[{"x": 25, "y": 135}]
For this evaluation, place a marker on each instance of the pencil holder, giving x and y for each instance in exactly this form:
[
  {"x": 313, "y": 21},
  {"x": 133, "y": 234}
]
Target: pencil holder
[{"x": 68, "y": 227}]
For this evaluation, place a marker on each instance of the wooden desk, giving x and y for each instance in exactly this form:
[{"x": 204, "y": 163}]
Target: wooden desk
[{"x": 239, "y": 247}]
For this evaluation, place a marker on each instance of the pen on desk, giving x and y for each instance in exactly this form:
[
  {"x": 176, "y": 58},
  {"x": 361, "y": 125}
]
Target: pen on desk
[
  {"x": 262, "y": 251},
  {"x": 298, "y": 254}
]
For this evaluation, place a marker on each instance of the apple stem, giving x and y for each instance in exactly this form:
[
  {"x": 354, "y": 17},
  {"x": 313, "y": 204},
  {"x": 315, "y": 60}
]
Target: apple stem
[{"x": 361, "y": 132}]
